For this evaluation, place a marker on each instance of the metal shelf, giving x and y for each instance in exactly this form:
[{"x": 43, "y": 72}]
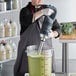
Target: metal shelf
[
  {"x": 8, "y": 11},
  {"x": 4, "y": 61},
  {"x": 7, "y": 60},
  {"x": 6, "y": 38},
  {"x": 67, "y": 41}
]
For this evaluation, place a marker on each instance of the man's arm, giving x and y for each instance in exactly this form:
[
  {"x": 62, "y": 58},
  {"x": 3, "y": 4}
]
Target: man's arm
[
  {"x": 25, "y": 19},
  {"x": 56, "y": 29}
]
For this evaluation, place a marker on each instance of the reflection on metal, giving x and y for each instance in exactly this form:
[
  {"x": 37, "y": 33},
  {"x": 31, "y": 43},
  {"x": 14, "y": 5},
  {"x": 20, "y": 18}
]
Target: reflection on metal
[{"x": 65, "y": 64}]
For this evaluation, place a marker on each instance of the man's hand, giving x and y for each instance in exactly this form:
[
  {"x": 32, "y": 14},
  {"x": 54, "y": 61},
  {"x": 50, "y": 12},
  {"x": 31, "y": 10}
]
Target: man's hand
[{"x": 52, "y": 34}]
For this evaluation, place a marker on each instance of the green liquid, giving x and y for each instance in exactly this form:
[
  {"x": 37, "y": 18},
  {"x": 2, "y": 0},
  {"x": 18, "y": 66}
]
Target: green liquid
[{"x": 37, "y": 65}]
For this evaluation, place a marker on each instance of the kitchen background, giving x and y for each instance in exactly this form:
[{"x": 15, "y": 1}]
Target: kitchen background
[{"x": 66, "y": 12}]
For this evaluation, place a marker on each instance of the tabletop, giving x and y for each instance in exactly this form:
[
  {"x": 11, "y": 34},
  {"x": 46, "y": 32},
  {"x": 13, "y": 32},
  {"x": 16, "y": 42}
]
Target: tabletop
[{"x": 68, "y": 38}]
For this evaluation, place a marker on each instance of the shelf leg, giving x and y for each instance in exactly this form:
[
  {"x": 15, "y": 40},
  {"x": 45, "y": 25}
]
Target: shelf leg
[
  {"x": 65, "y": 59},
  {"x": 1, "y": 68}
]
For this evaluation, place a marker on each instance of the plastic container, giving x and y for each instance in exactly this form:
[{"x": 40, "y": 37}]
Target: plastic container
[
  {"x": 2, "y": 52},
  {"x": 14, "y": 28},
  {"x": 9, "y": 4},
  {"x": 39, "y": 64},
  {"x": 15, "y": 4},
  {"x": 14, "y": 54},
  {"x": 8, "y": 51},
  {"x": 2, "y": 6},
  {"x": 2, "y": 30},
  {"x": 14, "y": 49},
  {"x": 8, "y": 29}
]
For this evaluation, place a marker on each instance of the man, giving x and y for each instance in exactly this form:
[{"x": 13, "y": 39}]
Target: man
[{"x": 29, "y": 35}]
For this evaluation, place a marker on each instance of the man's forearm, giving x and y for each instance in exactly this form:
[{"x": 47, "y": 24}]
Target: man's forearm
[{"x": 37, "y": 15}]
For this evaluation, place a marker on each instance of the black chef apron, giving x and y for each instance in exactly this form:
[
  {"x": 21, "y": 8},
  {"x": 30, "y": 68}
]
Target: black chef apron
[{"x": 30, "y": 37}]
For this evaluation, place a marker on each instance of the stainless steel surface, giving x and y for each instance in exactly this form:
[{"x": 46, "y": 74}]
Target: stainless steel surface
[
  {"x": 65, "y": 64},
  {"x": 64, "y": 57},
  {"x": 1, "y": 68},
  {"x": 67, "y": 41},
  {"x": 40, "y": 47},
  {"x": 41, "y": 44}
]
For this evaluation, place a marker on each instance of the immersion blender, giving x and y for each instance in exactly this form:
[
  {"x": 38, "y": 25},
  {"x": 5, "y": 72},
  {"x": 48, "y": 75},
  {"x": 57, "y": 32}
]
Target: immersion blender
[{"x": 46, "y": 27}]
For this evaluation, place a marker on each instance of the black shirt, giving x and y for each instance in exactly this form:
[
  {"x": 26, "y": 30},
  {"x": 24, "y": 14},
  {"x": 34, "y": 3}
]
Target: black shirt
[{"x": 26, "y": 15}]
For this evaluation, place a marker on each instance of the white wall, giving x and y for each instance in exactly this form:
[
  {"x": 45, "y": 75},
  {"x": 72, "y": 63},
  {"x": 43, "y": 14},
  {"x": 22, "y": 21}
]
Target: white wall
[
  {"x": 66, "y": 12},
  {"x": 65, "y": 8}
]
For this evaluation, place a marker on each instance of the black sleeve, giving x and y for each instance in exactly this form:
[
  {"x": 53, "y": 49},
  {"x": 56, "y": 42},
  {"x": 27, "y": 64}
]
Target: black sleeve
[
  {"x": 25, "y": 19},
  {"x": 56, "y": 27}
]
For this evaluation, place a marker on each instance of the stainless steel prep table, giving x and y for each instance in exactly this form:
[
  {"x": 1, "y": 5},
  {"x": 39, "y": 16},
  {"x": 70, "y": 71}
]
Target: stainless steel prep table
[{"x": 65, "y": 40}]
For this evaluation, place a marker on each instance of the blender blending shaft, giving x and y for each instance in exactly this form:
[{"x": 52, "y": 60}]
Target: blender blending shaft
[{"x": 41, "y": 45}]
